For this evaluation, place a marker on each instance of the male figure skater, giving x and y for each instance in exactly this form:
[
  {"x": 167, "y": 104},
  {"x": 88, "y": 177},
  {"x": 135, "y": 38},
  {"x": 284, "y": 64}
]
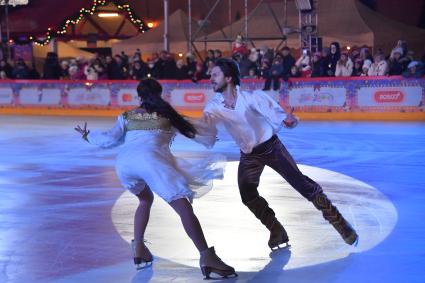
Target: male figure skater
[{"x": 253, "y": 119}]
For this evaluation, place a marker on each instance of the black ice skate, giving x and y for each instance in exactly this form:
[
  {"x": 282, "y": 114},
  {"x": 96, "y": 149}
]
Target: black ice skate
[
  {"x": 142, "y": 256},
  {"x": 211, "y": 263},
  {"x": 266, "y": 215},
  {"x": 334, "y": 217},
  {"x": 278, "y": 237}
]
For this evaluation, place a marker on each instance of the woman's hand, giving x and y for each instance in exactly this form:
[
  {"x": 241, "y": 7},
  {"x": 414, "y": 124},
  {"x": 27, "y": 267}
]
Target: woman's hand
[{"x": 83, "y": 131}]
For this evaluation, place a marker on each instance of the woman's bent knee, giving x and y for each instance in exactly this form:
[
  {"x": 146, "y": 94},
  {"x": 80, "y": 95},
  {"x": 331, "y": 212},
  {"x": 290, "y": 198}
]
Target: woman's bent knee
[{"x": 146, "y": 196}]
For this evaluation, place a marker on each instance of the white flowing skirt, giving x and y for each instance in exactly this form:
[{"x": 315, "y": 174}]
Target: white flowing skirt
[{"x": 150, "y": 162}]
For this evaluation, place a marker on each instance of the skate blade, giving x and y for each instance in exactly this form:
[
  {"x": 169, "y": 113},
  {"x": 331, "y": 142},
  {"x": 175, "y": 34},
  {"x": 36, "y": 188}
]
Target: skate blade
[
  {"x": 282, "y": 246},
  {"x": 216, "y": 274},
  {"x": 143, "y": 265},
  {"x": 220, "y": 277},
  {"x": 356, "y": 242}
]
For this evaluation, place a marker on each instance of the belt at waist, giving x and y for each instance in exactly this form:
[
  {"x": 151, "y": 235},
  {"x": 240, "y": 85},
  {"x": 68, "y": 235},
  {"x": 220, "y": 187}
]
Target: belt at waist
[{"x": 260, "y": 148}]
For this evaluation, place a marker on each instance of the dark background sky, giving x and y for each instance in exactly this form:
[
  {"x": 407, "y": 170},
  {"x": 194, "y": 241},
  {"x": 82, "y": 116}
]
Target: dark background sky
[
  {"x": 45, "y": 13},
  {"x": 411, "y": 12}
]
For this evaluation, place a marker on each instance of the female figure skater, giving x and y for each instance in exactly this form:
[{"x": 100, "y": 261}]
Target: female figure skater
[{"x": 145, "y": 165}]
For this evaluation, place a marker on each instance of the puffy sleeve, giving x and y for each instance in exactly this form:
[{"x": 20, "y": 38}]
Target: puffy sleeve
[
  {"x": 110, "y": 138},
  {"x": 206, "y": 131},
  {"x": 206, "y": 126},
  {"x": 267, "y": 107}
]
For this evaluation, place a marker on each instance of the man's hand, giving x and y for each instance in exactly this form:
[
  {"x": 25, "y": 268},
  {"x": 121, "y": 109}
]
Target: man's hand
[{"x": 291, "y": 120}]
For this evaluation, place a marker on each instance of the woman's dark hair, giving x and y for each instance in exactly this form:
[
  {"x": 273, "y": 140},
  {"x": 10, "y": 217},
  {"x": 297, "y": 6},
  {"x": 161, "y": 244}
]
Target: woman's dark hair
[
  {"x": 229, "y": 68},
  {"x": 149, "y": 90}
]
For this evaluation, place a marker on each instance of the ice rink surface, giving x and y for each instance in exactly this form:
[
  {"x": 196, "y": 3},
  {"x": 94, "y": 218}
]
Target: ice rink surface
[{"x": 65, "y": 218}]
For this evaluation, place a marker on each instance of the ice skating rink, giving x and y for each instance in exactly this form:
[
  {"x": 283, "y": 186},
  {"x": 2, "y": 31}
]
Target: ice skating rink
[{"x": 65, "y": 218}]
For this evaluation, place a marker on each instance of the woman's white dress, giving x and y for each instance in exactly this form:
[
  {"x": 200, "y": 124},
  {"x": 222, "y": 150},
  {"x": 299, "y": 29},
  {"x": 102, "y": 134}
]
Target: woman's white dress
[{"x": 145, "y": 158}]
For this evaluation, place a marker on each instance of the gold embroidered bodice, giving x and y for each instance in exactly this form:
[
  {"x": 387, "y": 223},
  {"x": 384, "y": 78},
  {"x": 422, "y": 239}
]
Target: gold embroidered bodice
[{"x": 145, "y": 121}]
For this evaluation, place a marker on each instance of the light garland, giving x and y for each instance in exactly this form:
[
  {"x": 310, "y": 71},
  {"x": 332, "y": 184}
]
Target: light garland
[{"x": 50, "y": 33}]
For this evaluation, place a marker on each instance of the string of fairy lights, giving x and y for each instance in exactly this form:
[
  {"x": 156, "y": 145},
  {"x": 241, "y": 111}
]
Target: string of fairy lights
[{"x": 76, "y": 19}]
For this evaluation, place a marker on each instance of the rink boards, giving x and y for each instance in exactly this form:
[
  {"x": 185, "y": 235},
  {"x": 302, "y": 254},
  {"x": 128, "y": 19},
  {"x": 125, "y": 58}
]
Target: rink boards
[{"x": 371, "y": 98}]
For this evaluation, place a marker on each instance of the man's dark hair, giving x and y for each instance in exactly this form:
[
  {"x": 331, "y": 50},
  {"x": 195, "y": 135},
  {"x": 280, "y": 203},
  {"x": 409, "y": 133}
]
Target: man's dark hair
[{"x": 230, "y": 68}]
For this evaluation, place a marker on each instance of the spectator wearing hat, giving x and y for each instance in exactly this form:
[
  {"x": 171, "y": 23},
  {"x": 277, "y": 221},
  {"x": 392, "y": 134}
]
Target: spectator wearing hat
[
  {"x": 396, "y": 65},
  {"x": 415, "y": 69},
  {"x": 239, "y": 46},
  {"x": 191, "y": 64},
  {"x": 365, "y": 54},
  {"x": 401, "y": 47},
  {"x": 344, "y": 66},
  {"x": 73, "y": 71},
  {"x": 91, "y": 72},
  {"x": 365, "y": 68},
  {"x": 379, "y": 67}
]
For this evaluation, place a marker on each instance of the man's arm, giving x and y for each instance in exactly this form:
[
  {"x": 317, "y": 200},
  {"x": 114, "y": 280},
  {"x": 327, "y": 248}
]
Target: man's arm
[
  {"x": 206, "y": 126},
  {"x": 272, "y": 111}
]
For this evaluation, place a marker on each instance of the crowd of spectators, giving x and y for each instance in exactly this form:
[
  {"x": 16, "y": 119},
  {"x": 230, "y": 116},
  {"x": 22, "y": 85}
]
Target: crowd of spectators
[{"x": 271, "y": 65}]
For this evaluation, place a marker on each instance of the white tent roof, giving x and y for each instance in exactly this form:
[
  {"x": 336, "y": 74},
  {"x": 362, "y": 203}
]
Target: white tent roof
[
  {"x": 347, "y": 21},
  {"x": 152, "y": 41},
  {"x": 261, "y": 24},
  {"x": 65, "y": 50}
]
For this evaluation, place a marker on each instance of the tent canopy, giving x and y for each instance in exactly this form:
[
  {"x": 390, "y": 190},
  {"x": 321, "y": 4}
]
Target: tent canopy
[
  {"x": 347, "y": 21},
  {"x": 153, "y": 40},
  {"x": 65, "y": 50}
]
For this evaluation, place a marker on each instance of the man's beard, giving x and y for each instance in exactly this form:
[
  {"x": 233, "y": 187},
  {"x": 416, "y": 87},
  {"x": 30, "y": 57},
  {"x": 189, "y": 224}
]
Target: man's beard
[{"x": 221, "y": 89}]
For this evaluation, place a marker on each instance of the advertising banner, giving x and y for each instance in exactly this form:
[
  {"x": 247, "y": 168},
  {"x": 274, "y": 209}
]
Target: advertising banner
[
  {"x": 389, "y": 96},
  {"x": 89, "y": 96},
  {"x": 6, "y": 95},
  {"x": 371, "y": 94},
  {"x": 127, "y": 97},
  {"x": 40, "y": 96},
  {"x": 190, "y": 98},
  {"x": 317, "y": 96}
]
